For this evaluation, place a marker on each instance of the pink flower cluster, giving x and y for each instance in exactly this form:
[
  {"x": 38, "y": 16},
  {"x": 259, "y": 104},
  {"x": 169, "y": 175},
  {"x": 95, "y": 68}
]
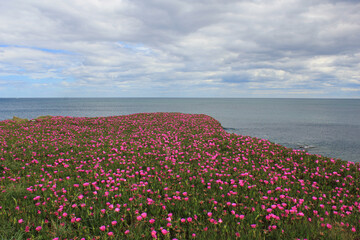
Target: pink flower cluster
[{"x": 171, "y": 175}]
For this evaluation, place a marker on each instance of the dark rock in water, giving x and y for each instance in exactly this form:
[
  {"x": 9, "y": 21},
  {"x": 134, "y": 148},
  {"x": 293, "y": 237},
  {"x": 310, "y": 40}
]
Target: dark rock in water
[
  {"x": 306, "y": 146},
  {"x": 229, "y": 129}
]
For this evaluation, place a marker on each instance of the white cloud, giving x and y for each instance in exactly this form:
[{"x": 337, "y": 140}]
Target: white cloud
[
  {"x": 196, "y": 47},
  {"x": 350, "y": 89}
]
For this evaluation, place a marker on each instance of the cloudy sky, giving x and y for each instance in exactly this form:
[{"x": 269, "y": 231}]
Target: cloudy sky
[{"x": 173, "y": 48}]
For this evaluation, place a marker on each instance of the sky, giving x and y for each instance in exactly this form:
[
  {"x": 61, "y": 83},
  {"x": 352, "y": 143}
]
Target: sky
[{"x": 173, "y": 48}]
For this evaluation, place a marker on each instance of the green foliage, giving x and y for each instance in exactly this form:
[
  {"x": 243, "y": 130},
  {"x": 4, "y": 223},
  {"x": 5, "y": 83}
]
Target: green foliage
[{"x": 180, "y": 175}]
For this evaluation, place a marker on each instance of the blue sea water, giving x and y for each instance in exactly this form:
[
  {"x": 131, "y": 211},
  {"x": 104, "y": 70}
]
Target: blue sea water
[{"x": 330, "y": 127}]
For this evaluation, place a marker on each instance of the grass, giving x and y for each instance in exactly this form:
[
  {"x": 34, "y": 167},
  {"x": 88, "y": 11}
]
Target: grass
[{"x": 166, "y": 176}]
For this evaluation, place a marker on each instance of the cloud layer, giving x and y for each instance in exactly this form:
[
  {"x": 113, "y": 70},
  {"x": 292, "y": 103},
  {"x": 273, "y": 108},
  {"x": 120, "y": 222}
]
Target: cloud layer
[{"x": 159, "y": 48}]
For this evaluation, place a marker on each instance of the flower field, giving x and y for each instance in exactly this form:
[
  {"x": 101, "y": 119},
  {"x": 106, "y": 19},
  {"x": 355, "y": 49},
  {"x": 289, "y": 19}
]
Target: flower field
[{"x": 167, "y": 176}]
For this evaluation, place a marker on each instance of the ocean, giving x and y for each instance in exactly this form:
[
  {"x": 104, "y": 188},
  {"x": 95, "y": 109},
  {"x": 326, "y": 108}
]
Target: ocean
[{"x": 329, "y": 127}]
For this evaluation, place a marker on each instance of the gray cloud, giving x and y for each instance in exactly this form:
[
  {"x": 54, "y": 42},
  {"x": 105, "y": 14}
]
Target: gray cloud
[{"x": 226, "y": 48}]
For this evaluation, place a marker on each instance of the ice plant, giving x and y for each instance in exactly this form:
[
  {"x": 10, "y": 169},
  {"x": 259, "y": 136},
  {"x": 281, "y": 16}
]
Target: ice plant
[{"x": 167, "y": 175}]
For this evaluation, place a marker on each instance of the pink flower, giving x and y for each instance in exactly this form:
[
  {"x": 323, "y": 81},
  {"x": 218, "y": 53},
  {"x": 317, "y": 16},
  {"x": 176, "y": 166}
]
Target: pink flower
[
  {"x": 20, "y": 221},
  {"x": 36, "y": 198},
  {"x": 143, "y": 215},
  {"x": 113, "y": 223},
  {"x": 328, "y": 226},
  {"x": 127, "y": 232},
  {"x": 139, "y": 218},
  {"x": 253, "y": 225},
  {"x": 110, "y": 234},
  {"x": 151, "y": 221},
  {"x": 353, "y": 229},
  {"x": 102, "y": 228},
  {"x": 38, "y": 228},
  {"x": 164, "y": 231},
  {"x": 209, "y": 214}
]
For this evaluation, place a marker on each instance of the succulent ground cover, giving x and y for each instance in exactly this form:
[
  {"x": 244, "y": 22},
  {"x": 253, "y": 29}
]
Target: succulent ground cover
[{"x": 167, "y": 176}]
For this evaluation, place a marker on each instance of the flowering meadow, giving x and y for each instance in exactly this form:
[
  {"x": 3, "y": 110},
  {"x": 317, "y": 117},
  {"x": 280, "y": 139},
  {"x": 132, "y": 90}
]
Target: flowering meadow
[{"x": 167, "y": 176}]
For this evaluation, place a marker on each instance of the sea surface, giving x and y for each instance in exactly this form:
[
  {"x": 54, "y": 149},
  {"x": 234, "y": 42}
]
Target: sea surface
[{"x": 330, "y": 127}]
